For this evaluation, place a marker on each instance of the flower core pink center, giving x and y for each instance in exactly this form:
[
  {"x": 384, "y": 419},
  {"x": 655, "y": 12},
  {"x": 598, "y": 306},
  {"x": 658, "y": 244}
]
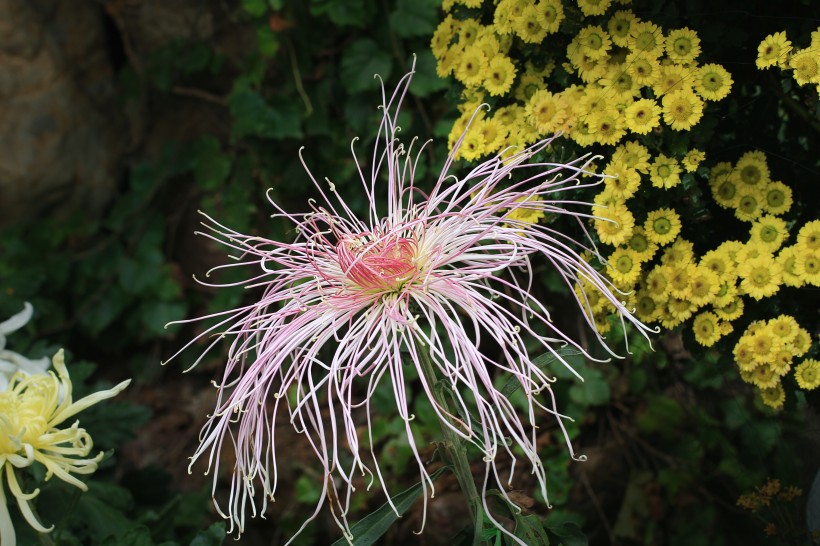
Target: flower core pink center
[{"x": 380, "y": 264}]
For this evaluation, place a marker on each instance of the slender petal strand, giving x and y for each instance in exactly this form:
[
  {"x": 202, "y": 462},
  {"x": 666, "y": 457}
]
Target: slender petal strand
[{"x": 353, "y": 302}]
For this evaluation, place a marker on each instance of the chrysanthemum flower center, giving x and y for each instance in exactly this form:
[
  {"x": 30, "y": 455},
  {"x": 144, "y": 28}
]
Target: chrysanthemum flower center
[{"x": 380, "y": 264}]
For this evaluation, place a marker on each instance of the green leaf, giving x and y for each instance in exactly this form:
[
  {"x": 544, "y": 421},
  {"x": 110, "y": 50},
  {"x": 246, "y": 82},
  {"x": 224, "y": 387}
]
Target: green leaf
[
  {"x": 368, "y": 530},
  {"x": 530, "y": 530},
  {"x": 138, "y": 535},
  {"x": 255, "y": 8},
  {"x": 415, "y": 17},
  {"x": 253, "y": 116},
  {"x": 661, "y": 414},
  {"x": 361, "y": 62},
  {"x": 211, "y": 167},
  {"x": 212, "y": 536},
  {"x": 101, "y": 509},
  {"x": 593, "y": 391},
  {"x": 344, "y": 13},
  {"x": 267, "y": 41},
  {"x": 154, "y": 315},
  {"x": 568, "y": 534}
]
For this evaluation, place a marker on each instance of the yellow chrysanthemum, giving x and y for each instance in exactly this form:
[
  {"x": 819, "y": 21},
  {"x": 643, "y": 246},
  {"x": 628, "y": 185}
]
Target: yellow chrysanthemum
[
  {"x": 632, "y": 154},
  {"x": 528, "y": 85},
  {"x": 552, "y": 13},
  {"x": 500, "y": 76},
  {"x": 468, "y": 30},
  {"x": 706, "y": 328},
  {"x": 678, "y": 310},
  {"x": 33, "y": 412},
  {"x": 719, "y": 262},
  {"x": 472, "y": 147},
  {"x": 638, "y": 243},
  {"x": 531, "y": 25},
  {"x": 664, "y": 172},
  {"x": 773, "y": 397},
  {"x": 682, "y": 45},
  {"x": 765, "y": 377},
  {"x": 806, "y": 66},
  {"x": 769, "y": 231},
  {"x": 619, "y": 25},
  {"x": 523, "y": 214},
  {"x": 644, "y": 70},
  {"x": 692, "y": 159},
  {"x": 785, "y": 327},
  {"x": 682, "y": 109},
  {"x": 657, "y": 283},
  {"x": 749, "y": 204},
  {"x": 713, "y": 82},
  {"x": 678, "y": 253},
  {"x": 773, "y": 50},
  {"x": 593, "y": 41},
  {"x": 470, "y": 70},
  {"x": 727, "y": 291},
  {"x": 809, "y": 235},
  {"x": 624, "y": 267},
  {"x": 622, "y": 180},
  {"x": 807, "y": 374},
  {"x": 662, "y": 226},
  {"x": 807, "y": 265},
  {"x": 760, "y": 276},
  {"x": 614, "y": 224},
  {"x": 723, "y": 186},
  {"x": 787, "y": 259},
  {"x": 594, "y": 7},
  {"x": 642, "y": 116},
  {"x": 443, "y": 36},
  {"x": 752, "y": 170},
  {"x": 703, "y": 286},
  {"x": 679, "y": 279},
  {"x": 750, "y": 250},
  {"x": 606, "y": 126},
  {"x": 646, "y": 308},
  {"x": 546, "y": 111},
  {"x": 493, "y": 132},
  {"x": 801, "y": 342},
  {"x": 505, "y": 13},
  {"x": 670, "y": 78},
  {"x": 646, "y": 37},
  {"x": 778, "y": 198}
]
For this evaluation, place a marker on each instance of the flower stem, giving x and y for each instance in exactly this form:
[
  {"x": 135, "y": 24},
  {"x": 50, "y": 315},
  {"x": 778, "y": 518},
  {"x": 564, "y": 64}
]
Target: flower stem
[{"x": 455, "y": 448}]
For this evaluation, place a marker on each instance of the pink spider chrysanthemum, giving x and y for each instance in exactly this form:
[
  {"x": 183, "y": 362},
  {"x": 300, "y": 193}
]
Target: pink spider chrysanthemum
[{"x": 438, "y": 278}]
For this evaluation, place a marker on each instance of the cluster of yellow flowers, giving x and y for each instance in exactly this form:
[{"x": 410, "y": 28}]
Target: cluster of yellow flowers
[
  {"x": 711, "y": 288},
  {"x": 777, "y": 50},
  {"x": 765, "y": 353},
  {"x": 631, "y": 76}
]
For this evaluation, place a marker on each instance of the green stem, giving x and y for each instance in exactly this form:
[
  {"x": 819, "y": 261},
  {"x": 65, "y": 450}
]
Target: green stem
[{"x": 454, "y": 446}]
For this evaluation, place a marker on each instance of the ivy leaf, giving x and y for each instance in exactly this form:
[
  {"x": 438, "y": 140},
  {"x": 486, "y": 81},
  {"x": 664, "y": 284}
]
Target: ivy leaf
[
  {"x": 345, "y": 13},
  {"x": 361, "y": 62},
  {"x": 253, "y": 116},
  {"x": 368, "y": 530},
  {"x": 212, "y": 536},
  {"x": 415, "y": 17}
]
